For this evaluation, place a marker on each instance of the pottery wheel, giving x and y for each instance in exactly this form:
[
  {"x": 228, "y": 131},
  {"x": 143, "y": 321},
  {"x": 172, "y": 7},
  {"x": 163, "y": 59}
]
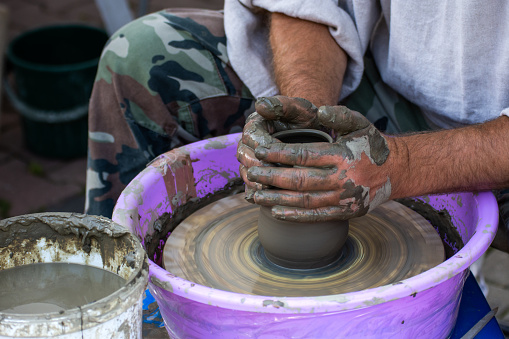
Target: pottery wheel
[{"x": 218, "y": 246}]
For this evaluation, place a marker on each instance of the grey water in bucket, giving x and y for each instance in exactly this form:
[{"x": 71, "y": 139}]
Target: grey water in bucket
[
  {"x": 52, "y": 287},
  {"x": 91, "y": 241},
  {"x": 53, "y": 73}
]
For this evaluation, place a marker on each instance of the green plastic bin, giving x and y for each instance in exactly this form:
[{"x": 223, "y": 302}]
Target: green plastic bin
[{"x": 54, "y": 69}]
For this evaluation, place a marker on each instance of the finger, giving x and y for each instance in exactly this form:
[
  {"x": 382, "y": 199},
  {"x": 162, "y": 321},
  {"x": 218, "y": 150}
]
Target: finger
[
  {"x": 295, "y": 179},
  {"x": 250, "y": 184},
  {"x": 297, "y": 112},
  {"x": 254, "y": 186},
  {"x": 249, "y": 194},
  {"x": 246, "y": 156},
  {"x": 243, "y": 175},
  {"x": 297, "y": 199},
  {"x": 319, "y": 154},
  {"x": 257, "y": 132},
  {"x": 329, "y": 213},
  {"x": 341, "y": 119}
]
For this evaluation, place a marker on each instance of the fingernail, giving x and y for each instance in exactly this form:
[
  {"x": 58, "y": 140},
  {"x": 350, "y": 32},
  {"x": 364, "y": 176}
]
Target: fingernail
[
  {"x": 272, "y": 104},
  {"x": 252, "y": 174},
  {"x": 261, "y": 152},
  {"x": 257, "y": 195},
  {"x": 326, "y": 114},
  {"x": 263, "y": 102}
]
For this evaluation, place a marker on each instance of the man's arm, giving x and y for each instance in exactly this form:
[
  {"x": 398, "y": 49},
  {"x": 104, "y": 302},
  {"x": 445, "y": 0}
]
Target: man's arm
[
  {"x": 463, "y": 159},
  {"x": 307, "y": 61},
  {"x": 470, "y": 158},
  {"x": 364, "y": 168}
]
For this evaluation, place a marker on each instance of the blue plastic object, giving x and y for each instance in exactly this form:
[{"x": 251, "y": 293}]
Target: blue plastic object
[{"x": 473, "y": 307}]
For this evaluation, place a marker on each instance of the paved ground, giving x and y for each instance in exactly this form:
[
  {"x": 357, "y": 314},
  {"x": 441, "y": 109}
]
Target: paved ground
[
  {"x": 496, "y": 274},
  {"x": 28, "y": 182},
  {"x": 31, "y": 183}
]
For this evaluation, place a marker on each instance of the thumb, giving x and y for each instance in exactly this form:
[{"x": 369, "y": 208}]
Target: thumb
[
  {"x": 296, "y": 111},
  {"x": 342, "y": 119}
]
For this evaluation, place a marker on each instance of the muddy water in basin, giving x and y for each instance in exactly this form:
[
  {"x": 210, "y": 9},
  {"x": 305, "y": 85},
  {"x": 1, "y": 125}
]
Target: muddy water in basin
[{"x": 54, "y": 287}]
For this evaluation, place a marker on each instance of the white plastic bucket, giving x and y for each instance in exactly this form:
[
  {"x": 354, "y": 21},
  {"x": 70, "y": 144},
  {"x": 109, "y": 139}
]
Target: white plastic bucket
[{"x": 79, "y": 239}]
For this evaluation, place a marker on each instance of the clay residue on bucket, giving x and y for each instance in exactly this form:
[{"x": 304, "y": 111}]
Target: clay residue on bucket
[
  {"x": 81, "y": 225},
  {"x": 167, "y": 222},
  {"x": 441, "y": 221},
  {"x": 28, "y": 234},
  {"x": 177, "y": 172}
]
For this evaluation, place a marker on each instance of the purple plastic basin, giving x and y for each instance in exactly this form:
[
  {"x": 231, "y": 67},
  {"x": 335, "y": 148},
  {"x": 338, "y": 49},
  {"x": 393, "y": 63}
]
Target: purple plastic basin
[{"x": 425, "y": 305}]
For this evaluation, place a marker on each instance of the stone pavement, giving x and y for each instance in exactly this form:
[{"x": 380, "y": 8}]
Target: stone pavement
[
  {"x": 496, "y": 274},
  {"x": 31, "y": 183}
]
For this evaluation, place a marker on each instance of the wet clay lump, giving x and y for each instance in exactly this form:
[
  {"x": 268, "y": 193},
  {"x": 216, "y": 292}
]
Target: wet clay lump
[{"x": 301, "y": 245}]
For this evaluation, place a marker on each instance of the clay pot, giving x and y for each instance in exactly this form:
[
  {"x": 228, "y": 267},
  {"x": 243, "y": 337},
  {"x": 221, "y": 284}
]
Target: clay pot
[{"x": 301, "y": 245}]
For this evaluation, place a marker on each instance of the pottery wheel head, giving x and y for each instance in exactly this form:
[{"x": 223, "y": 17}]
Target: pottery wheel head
[{"x": 218, "y": 246}]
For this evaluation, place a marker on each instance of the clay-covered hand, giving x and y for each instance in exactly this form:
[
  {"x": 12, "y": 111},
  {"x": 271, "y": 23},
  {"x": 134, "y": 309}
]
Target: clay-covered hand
[
  {"x": 272, "y": 114},
  {"x": 335, "y": 181}
]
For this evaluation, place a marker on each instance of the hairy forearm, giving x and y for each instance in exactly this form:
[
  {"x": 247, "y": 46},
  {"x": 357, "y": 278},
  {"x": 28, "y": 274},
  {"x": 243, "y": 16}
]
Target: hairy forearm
[
  {"x": 465, "y": 159},
  {"x": 307, "y": 61}
]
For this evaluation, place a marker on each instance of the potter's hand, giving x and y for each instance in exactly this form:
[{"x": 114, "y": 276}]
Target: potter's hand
[
  {"x": 335, "y": 181},
  {"x": 273, "y": 114}
]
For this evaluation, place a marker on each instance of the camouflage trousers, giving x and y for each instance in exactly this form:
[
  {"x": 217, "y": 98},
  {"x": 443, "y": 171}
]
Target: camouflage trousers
[{"x": 164, "y": 80}]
